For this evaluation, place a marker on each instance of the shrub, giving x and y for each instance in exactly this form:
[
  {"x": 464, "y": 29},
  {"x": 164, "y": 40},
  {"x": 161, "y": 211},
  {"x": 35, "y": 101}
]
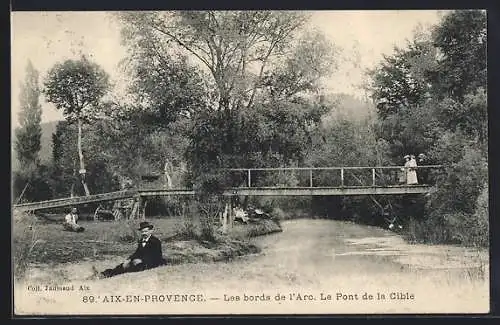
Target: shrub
[
  {"x": 189, "y": 229},
  {"x": 432, "y": 230},
  {"x": 24, "y": 241},
  {"x": 37, "y": 185},
  {"x": 100, "y": 179},
  {"x": 454, "y": 228},
  {"x": 209, "y": 215},
  {"x": 457, "y": 212},
  {"x": 459, "y": 186},
  {"x": 278, "y": 214},
  {"x": 480, "y": 220},
  {"x": 263, "y": 227}
]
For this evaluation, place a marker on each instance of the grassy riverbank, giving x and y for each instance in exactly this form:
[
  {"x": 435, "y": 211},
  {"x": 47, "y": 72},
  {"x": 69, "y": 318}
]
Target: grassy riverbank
[{"x": 39, "y": 241}]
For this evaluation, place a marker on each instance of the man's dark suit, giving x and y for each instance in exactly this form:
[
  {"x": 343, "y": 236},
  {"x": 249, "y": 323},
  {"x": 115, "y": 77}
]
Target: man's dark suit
[{"x": 151, "y": 256}]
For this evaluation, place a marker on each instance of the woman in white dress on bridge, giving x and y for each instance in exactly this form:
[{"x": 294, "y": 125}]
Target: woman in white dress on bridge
[{"x": 411, "y": 172}]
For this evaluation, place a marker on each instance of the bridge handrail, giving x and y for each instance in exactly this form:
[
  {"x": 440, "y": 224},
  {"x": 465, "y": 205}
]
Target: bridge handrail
[
  {"x": 373, "y": 169},
  {"x": 76, "y": 199},
  {"x": 329, "y": 168}
]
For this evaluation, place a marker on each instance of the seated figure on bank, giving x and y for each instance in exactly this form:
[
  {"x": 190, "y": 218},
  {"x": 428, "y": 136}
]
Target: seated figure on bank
[
  {"x": 147, "y": 255},
  {"x": 70, "y": 221}
]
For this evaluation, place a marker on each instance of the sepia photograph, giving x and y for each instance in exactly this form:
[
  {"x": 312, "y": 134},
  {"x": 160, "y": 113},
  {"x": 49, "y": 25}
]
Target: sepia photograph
[{"x": 249, "y": 162}]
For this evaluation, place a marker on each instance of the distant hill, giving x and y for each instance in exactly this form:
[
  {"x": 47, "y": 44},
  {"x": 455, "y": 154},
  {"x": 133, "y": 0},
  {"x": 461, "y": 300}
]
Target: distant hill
[
  {"x": 348, "y": 106},
  {"x": 48, "y": 129}
]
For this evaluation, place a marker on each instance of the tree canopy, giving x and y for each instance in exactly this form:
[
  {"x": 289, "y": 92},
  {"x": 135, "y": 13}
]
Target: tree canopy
[
  {"x": 28, "y": 135},
  {"x": 76, "y": 87},
  {"x": 240, "y": 52}
]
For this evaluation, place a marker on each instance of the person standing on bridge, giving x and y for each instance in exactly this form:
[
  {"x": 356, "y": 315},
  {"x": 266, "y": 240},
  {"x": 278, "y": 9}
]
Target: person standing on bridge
[
  {"x": 70, "y": 221},
  {"x": 411, "y": 170},
  {"x": 168, "y": 179},
  {"x": 423, "y": 173},
  {"x": 147, "y": 255}
]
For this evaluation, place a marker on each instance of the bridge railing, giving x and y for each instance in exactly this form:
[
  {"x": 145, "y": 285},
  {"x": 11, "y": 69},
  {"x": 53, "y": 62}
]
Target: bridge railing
[{"x": 330, "y": 176}]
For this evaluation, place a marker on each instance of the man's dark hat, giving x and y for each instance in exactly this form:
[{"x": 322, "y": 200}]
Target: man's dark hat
[{"x": 145, "y": 224}]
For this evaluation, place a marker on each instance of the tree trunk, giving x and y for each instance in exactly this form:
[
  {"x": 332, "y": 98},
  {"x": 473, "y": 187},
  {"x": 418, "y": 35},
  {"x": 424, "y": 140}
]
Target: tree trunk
[{"x": 82, "y": 163}]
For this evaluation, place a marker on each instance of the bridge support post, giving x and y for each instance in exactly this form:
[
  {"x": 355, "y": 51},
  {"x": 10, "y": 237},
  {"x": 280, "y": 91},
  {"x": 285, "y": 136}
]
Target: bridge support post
[
  {"x": 230, "y": 212},
  {"x": 227, "y": 216},
  {"x": 137, "y": 208},
  {"x": 223, "y": 220},
  {"x": 143, "y": 202}
]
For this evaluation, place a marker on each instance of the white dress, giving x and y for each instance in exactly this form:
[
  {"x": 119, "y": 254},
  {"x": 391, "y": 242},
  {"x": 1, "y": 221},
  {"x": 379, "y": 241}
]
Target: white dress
[{"x": 411, "y": 173}]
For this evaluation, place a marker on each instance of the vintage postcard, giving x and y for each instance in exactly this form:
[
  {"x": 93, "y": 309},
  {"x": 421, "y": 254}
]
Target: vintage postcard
[{"x": 249, "y": 162}]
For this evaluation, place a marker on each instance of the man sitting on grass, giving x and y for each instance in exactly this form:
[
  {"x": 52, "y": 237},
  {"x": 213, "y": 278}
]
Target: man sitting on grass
[
  {"x": 147, "y": 255},
  {"x": 70, "y": 221}
]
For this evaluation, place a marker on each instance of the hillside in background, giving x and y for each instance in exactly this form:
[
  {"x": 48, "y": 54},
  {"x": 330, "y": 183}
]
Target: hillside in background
[
  {"x": 349, "y": 107},
  {"x": 48, "y": 129}
]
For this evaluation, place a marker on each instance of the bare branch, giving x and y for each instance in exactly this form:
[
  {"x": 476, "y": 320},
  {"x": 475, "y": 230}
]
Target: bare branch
[{"x": 184, "y": 45}]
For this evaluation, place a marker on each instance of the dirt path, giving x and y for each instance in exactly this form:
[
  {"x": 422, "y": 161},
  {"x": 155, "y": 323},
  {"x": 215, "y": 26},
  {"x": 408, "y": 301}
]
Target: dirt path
[{"x": 316, "y": 257}]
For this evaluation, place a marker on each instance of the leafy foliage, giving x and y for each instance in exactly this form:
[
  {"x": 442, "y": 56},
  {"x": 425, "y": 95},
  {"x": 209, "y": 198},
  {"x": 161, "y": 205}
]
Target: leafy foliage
[
  {"x": 236, "y": 49},
  {"x": 261, "y": 136},
  {"x": 401, "y": 81},
  {"x": 166, "y": 88},
  {"x": 28, "y": 135},
  {"x": 442, "y": 111},
  {"x": 76, "y": 87},
  {"x": 37, "y": 185},
  {"x": 459, "y": 186},
  {"x": 100, "y": 174},
  {"x": 461, "y": 38}
]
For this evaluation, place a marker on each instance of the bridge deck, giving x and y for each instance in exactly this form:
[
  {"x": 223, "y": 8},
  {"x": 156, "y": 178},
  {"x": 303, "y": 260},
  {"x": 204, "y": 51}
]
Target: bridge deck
[
  {"x": 253, "y": 191},
  {"x": 314, "y": 191},
  {"x": 58, "y": 203}
]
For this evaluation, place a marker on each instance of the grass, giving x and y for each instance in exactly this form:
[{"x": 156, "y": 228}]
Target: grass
[
  {"x": 25, "y": 242},
  {"x": 99, "y": 240},
  {"x": 48, "y": 243}
]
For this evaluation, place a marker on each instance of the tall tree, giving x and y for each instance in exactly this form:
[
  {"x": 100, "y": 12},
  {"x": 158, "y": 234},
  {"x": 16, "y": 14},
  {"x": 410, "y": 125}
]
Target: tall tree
[
  {"x": 247, "y": 61},
  {"x": 29, "y": 133},
  {"x": 402, "y": 88},
  {"x": 401, "y": 81},
  {"x": 76, "y": 87},
  {"x": 237, "y": 49},
  {"x": 165, "y": 88},
  {"x": 437, "y": 82},
  {"x": 461, "y": 38},
  {"x": 461, "y": 77}
]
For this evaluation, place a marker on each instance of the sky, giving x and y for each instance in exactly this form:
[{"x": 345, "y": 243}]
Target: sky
[{"x": 46, "y": 38}]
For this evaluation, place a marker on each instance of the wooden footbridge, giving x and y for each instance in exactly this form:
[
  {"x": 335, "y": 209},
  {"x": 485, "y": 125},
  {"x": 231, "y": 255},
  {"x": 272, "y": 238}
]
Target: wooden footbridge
[{"x": 302, "y": 181}]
